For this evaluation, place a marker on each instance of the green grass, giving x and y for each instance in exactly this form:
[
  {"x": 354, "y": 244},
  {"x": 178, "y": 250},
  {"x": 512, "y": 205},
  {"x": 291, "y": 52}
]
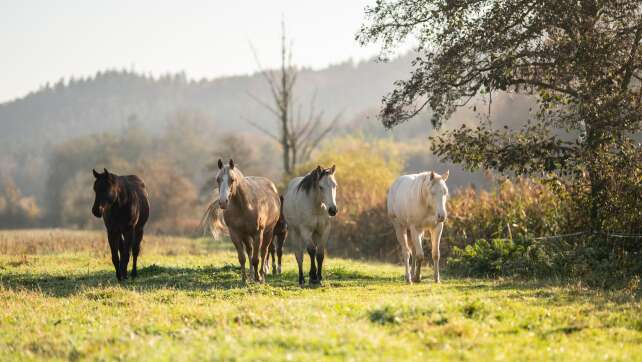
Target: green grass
[{"x": 67, "y": 305}]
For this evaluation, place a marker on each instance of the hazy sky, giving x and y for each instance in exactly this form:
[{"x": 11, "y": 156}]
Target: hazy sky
[{"x": 45, "y": 40}]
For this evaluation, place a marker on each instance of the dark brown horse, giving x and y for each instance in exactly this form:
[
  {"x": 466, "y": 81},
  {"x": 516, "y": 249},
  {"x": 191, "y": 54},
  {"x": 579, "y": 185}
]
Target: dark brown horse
[{"x": 122, "y": 203}]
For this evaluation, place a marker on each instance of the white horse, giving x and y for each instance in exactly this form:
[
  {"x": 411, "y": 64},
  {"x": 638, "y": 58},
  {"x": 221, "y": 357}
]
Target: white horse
[
  {"x": 308, "y": 206},
  {"x": 415, "y": 203}
]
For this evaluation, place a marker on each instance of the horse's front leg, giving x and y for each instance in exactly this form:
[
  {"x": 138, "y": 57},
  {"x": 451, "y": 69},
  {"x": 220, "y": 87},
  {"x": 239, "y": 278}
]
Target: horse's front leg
[
  {"x": 308, "y": 243},
  {"x": 238, "y": 244},
  {"x": 114, "y": 239},
  {"x": 257, "y": 242},
  {"x": 435, "y": 238},
  {"x": 321, "y": 252},
  {"x": 416, "y": 237},
  {"x": 125, "y": 247},
  {"x": 295, "y": 239},
  {"x": 402, "y": 238}
]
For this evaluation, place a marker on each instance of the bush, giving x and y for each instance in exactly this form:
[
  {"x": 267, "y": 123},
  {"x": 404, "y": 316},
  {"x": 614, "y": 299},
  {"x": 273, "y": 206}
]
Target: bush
[
  {"x": 515, "y": 210},
  {"x": 16, "y": 210},
  {"x": 592, "y": 259}
]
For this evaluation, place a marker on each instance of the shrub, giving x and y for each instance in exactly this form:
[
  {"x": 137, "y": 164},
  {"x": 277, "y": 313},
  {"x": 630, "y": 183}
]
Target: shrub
[
  {"x": 16, "y": 210},
  {"x": 515, "y": 209},
  {"x": 592, "y": 259}
]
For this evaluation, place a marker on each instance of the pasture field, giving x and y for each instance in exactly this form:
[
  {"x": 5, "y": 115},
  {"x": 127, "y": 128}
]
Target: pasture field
[{"x": 59, "y": 300}]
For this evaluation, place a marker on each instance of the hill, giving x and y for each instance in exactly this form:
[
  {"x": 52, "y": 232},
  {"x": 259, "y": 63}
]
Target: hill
[{"x": 104, "y": 102}]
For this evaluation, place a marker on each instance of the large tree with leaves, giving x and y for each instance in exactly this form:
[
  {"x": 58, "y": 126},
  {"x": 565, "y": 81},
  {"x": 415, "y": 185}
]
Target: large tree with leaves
[{"x": 581, "y": 59}]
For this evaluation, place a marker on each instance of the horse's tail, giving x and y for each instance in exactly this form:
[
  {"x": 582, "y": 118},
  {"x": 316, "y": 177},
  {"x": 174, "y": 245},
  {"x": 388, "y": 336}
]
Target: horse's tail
[
  {"x": 211, "y": 220},
  {"x": 281, "y": 207}
]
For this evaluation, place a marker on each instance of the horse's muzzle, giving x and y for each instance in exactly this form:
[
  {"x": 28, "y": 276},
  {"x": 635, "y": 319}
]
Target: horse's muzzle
[
  {"x": 223, "y": 204},
  {"x": 97, "y": 211},
  {"x": 332, "y": 211}
]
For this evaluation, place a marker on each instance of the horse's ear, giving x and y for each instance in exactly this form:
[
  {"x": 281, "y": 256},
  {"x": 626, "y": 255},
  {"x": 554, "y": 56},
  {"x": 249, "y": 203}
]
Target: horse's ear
[
  {"x": 220, "y": 164},
  {"x": 231, "y": 164},
  {"x": 106, "y": 172},
  {"x": 432, "y": 175},
  {"x": 96, "y": 174},
  {"x": 445, "y": 175},
  {"x": 332, "y": 169}
]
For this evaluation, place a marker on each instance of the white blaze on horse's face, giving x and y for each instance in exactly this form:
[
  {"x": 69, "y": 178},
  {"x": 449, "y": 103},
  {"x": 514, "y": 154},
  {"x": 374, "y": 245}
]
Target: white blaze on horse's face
[
  {"x": 328, "y": 191},
  {"x": 225, "y": 183},
  {"x": 439, "y": 194}
]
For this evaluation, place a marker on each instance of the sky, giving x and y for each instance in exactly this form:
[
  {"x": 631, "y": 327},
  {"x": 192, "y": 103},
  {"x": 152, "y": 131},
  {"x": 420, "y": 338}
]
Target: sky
[{"x": 43, "y": 41}]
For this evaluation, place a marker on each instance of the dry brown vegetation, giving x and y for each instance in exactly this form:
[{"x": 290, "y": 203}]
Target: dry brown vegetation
[{"x": 58, "y": 241}]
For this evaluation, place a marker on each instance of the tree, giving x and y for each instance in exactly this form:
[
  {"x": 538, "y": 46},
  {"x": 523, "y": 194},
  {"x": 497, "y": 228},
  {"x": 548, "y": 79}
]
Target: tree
[
  {"x": 297, "y": 134},
  {"x": 580, "y": 59},
  {"x": 16, "y": 210}
]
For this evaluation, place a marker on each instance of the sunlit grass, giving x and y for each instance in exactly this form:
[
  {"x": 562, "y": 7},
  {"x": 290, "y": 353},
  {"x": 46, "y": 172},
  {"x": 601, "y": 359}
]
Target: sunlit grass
[{"x": 193, "y": 306}]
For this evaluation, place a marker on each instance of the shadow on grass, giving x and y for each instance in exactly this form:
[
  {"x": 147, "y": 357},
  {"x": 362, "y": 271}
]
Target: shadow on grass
[
  {"x": 549, "y": 292},
  {"x": 156, "y": 277}
]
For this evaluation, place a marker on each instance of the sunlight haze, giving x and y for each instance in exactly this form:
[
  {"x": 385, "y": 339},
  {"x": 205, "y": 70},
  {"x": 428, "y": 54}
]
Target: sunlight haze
[{"x": 52, "y": 40}]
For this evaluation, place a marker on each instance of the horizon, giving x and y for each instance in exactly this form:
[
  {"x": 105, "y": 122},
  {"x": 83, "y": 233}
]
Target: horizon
[{"x": 50, "y": 43}]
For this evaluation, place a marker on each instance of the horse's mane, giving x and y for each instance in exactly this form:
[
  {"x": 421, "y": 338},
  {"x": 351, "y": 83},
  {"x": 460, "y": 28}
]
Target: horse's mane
[
  {"x": 312, "y": 179},
  {"x": 237, "y": 173}
]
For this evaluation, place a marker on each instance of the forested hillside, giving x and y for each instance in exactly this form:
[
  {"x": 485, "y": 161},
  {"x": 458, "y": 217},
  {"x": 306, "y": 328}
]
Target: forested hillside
[{"x": 171, "y": 127}]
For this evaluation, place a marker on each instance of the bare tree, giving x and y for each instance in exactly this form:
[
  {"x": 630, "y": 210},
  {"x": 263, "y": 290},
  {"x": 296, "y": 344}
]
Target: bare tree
[{"x": 298, "y": 134}]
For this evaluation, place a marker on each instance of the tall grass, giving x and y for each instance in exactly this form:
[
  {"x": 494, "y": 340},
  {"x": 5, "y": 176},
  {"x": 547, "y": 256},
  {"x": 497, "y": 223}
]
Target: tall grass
[{"x": 57, "y": 241}]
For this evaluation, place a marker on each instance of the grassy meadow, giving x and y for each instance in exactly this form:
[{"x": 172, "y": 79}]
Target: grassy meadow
[{"x": 59, "y": 300}]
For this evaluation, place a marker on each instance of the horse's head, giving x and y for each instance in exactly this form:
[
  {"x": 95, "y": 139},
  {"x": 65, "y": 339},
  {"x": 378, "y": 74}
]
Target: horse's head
[
  {"x": 435, "y": 192},
  {"x": 327, "y": 188},
  {"x": 227, "y": 178},
  {"x": 106, "y": 190}
]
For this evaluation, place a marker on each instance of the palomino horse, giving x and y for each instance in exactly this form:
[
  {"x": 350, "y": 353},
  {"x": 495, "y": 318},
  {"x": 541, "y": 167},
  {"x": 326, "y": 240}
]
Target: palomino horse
[
  {"x": 251, "y": 209},
  {"x": 416, "y": 203},
  {"x": 121, "y": 201},
  {"x": 308, "y": 206}
]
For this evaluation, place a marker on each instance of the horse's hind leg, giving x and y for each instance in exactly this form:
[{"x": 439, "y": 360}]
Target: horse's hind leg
[
  {"x": 402, "y": 238},
  {"x": 265, "y": 245},
  {"x": 138, "y": 237},
  {"x": 279, "y": 249},
  {"x": 114, "y": 243},
  {"x": 271, "y": 255}
]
